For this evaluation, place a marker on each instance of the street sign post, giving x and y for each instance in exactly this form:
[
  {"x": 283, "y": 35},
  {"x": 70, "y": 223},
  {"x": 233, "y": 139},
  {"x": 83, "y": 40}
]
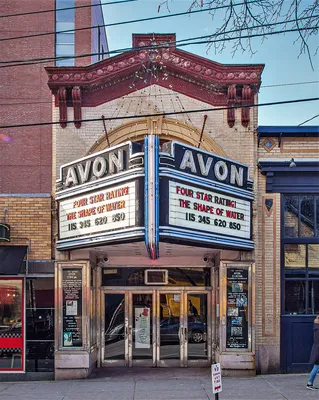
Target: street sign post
[{"x": 216, "y": 379}]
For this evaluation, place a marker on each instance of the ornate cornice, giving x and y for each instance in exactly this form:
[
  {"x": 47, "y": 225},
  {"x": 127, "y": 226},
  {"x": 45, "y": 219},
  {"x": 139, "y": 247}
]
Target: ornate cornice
[{"x": 188, "y": 74}]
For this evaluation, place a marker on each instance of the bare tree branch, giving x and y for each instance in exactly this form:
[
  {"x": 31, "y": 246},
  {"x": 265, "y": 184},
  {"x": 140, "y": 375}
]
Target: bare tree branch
[{"x": 243, "y": 17}]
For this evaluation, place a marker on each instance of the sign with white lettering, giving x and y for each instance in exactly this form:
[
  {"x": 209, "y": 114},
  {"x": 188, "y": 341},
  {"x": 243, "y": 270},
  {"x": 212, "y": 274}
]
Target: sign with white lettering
[
  {"x": 100, "y": 166},
  {"x": 104, "y": 210},
  {"x": 205, "y": 210},
  {"x": 206, "y": 165}
]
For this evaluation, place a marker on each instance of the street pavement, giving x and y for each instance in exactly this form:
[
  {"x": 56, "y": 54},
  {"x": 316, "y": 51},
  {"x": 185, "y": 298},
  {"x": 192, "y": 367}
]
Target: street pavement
[{"x": 161, "y": 384}]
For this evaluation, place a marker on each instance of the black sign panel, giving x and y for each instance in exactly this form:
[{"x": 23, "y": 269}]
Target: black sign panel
[
  {"x": 237, "y": 308},
  {"x": 210, "y": 166},
  {"x": 72, "y": 307},
  {"x": 100, "y": 165}
]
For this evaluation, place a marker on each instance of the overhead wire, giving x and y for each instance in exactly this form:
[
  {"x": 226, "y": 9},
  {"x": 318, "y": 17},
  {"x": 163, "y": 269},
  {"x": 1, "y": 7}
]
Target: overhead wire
[
  {"x": 124, "y": 117},
  {"x": 127, "y": 22},
  {"x": 14, "y": 63},
  {"x": 65, "y": 8},
  {"x": 162, "y": 94},
  {"x": 308, "y": 120}
]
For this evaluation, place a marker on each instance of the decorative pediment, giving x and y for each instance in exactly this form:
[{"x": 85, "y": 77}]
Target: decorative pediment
[{"x": 184, "y": 72}]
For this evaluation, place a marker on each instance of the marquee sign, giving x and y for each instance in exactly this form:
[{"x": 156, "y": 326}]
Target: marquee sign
[
  {"x": 201, "y": 164},
  {"x": 100, "y": 166},
  {"x": 101, "y": 198},
  {"x": 208, "y": 198},
  {"x": 182, "y": 194},
  {"x": 205, "y": 210},
  {"x": 107, "y": 209}
]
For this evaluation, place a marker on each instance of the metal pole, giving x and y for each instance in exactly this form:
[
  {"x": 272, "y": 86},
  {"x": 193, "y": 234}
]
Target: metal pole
[{"x": 216, "y": 396}]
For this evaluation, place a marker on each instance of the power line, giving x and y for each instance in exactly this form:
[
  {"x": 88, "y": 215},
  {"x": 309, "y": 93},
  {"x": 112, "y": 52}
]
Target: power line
[
  {"x": 15, "y": 63},
  {"x": 162, "y": 95},
  {"x": 128, "y": 22},
  {"x": 64, "y": 9},
  {"x": 165, "y": 114},
  {"x": 310, "y": 119},
  {"x": 289, "y": 84}
]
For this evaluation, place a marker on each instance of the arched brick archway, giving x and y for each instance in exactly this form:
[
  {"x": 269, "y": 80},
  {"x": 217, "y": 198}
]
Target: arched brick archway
[{"x": 166, "y": 128}]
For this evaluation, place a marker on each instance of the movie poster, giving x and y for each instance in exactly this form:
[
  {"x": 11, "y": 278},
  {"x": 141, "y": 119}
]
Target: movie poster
[
  {"x": 237, "y": 308},
  {"x": 72, "y": 307},
  {"x": 142, "y": 327}
]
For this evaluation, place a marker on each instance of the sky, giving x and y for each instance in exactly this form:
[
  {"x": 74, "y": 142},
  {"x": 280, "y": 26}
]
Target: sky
[{"x": 279, "y": 54}]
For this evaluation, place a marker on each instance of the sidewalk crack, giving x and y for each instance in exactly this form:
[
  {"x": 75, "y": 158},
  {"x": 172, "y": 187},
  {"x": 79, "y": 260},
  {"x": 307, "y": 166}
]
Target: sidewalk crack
[{"x": 276, "y": 389}]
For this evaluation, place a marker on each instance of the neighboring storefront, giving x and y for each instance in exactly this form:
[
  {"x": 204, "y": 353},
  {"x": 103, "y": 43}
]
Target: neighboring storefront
[
  {"x": 26, "y": 288},
  {"x": 288, "y": 160}
]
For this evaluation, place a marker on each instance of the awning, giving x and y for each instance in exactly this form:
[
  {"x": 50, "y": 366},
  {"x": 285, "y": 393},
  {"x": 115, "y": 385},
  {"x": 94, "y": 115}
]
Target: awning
[{"x": 11, "y": 258}]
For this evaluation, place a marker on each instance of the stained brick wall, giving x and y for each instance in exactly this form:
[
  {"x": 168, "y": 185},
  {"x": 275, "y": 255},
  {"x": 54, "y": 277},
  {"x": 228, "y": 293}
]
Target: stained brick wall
[
  {"x": 25, "y": 162},
  {"x": 29, "y": 219}
]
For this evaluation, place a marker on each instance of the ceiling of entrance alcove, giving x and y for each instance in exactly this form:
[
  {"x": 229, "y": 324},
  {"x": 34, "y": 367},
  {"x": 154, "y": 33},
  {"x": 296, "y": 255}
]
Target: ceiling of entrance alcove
[
  {"x": 167, "y": 250},
  {"x": 166, "y": 128}
]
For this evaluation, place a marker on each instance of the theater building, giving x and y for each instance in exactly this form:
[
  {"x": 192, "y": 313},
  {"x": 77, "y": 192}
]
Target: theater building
[
  {"x": 157, "y": 227},
  {"x": 183, "y": 238}
]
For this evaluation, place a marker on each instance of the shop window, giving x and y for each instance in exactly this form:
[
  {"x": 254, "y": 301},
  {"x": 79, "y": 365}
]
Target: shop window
[
  {"x": 11, "y": 324},
  {"x": 307, "y": 216},
  {"x": 313, "y": 301},
  {"x": 291, "y": 216},
  {"x": 299, "y": 216},
  {"x": 295, "y": 297},
  {"x": 295, "y": 260},
  {"x": 40, "y": 324},
  {"x": 300, "y": 247},
  {"x": 317, "y": 216},
  {"x": 313, "y": 260}
]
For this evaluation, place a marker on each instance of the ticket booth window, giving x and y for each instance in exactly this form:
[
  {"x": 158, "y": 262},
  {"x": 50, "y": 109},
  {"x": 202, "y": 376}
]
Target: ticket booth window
[{"x": 11, "y": 324}]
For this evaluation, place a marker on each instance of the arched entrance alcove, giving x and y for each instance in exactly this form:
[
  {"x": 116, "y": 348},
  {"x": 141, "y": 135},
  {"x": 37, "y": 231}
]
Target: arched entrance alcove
[{"x": 166, "y": 128}]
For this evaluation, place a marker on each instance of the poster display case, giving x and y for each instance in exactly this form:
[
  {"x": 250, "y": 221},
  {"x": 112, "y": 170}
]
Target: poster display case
[
  {"x": 236, "y": 310},
  {"x": 73, "y": 280}
]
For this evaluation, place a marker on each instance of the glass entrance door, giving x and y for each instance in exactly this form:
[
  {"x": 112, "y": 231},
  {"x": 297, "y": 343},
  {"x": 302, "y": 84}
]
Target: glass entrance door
[
  {"x": 157, "y": 328},
  {"x": 142, "y": 332},
  {"x": 198, "y": 329},
  {"x": 115, "y": 329}
]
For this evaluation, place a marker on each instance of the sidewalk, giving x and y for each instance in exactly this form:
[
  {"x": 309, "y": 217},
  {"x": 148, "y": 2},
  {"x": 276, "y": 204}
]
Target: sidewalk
[{"x": 161, "y": 384}]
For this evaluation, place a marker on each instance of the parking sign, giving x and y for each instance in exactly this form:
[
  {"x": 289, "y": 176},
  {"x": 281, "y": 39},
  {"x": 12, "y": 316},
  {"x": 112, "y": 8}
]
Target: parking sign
[{"x": 216, "y": 378}]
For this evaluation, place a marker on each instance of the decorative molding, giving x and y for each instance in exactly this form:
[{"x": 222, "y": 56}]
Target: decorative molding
[
  {"x": 61, "y": 98},
  {"x": 268, "y": 140},
  {"x": 167, "y": 129},
  {"x": 76, "y": 100},
  {"x": 188, "y": 74},
  {"x": 231, "y": 101},
  {"x": 246, "y": 98},
  {"x": 269, "y": 280}
]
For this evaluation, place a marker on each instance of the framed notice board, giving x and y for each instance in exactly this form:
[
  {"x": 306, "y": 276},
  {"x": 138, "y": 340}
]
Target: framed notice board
[
  {"x": 72, "y": 307},
  {"x": 236, "y": 306},
  {"x": 237, "y": 315}
]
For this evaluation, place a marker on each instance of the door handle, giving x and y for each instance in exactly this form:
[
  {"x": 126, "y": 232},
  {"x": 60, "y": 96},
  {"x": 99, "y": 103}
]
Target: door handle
[
  {"x": 180, "y": 333},
  {"x": 185, "y": 334},
  {"x": 126, "y": 332}
]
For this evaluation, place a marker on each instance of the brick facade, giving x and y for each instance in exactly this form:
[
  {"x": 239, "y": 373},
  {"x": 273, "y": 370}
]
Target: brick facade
[{"x": 30, "y": 223}]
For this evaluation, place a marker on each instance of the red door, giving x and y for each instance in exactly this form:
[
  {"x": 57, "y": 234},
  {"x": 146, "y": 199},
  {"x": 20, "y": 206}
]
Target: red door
[{"x": 11, "y": 324}]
